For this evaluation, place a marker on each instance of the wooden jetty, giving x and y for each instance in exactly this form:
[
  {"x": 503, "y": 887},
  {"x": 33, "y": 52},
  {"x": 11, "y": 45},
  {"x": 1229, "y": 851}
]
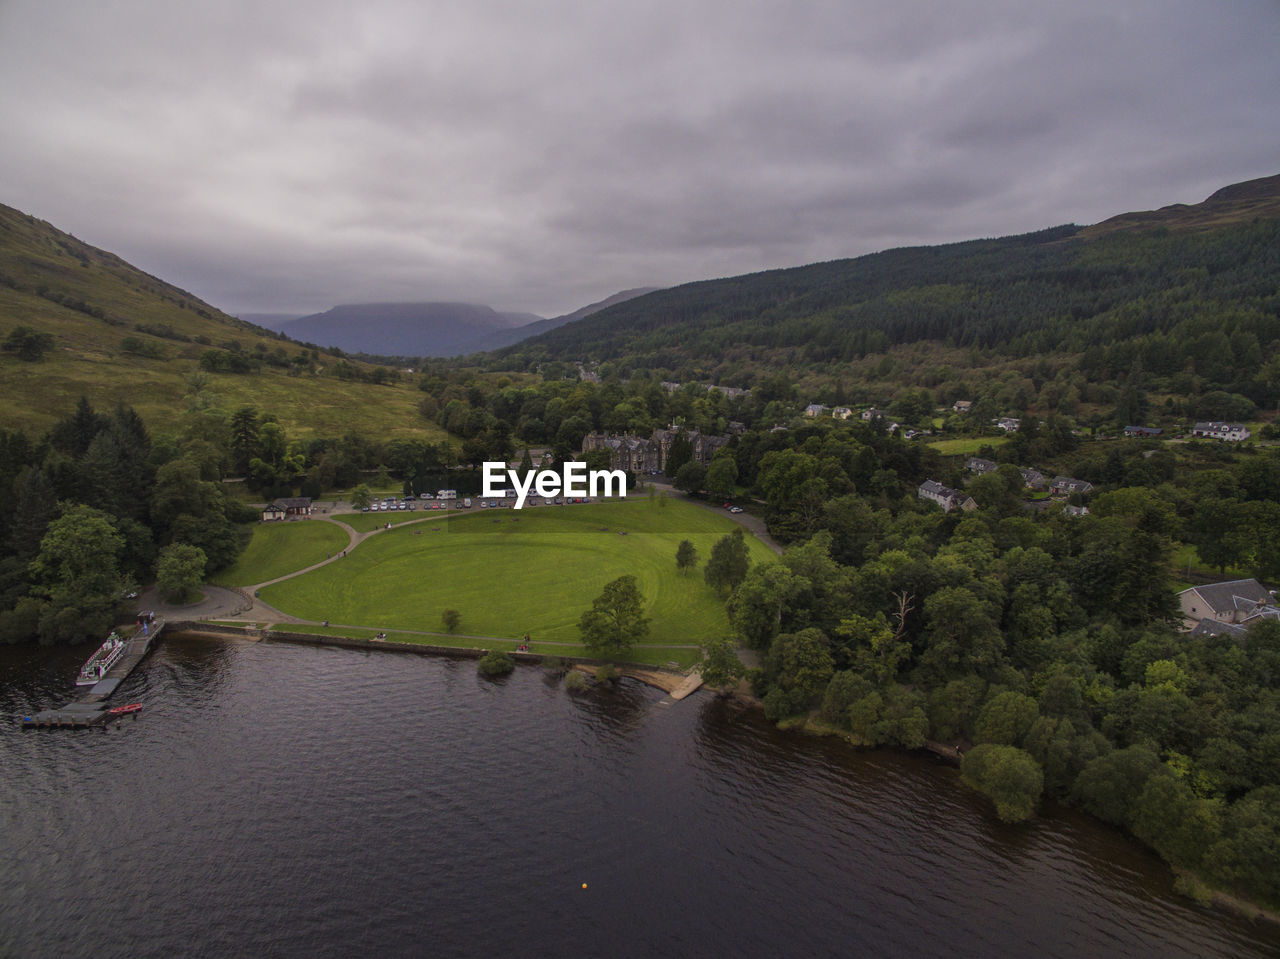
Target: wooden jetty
[{"x": 88, "y": 708}]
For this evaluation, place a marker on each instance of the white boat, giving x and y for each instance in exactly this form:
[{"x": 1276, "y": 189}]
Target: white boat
[{"x": 96, "y": 668}]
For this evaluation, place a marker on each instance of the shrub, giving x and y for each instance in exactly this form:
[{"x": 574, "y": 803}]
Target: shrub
[
  {"x": 606, "y": 673},
  {"x": 575, "y": 682},
  {"x": 496, "y": 663},
  {"x": 777, "y": 705},
  {"x": 1008, "y": 776}
]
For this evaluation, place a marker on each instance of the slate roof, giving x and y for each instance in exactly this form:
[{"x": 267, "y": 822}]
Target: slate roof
[{"x": 1244, "y": 596}]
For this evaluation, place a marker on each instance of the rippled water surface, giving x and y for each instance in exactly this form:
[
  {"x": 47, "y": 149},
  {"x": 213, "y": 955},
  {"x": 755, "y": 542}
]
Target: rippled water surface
[{"x": 278, "y": 800}]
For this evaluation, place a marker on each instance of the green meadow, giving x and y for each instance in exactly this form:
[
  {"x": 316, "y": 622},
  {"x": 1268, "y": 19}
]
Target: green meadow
[
  {"x": 967, "y": 446},
  {"x": 278, "y": 549},
  {"x": 534, "y": 571}
]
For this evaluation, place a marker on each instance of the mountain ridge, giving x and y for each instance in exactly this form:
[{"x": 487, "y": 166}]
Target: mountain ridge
[
  {"x": 430, "y": 328},
  {"x": 1052, "y": 289}
]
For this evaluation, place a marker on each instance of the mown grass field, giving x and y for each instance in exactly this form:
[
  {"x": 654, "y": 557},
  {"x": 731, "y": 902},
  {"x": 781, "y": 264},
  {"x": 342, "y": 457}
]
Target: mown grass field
[
  {"x": 278, "y": 549},
  {"x": 967, "y": 446},
  {"x": 534, "y": 571}
]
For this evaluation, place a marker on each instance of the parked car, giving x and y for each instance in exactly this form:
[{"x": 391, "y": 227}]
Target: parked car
[{"x": 735, "y": 509}]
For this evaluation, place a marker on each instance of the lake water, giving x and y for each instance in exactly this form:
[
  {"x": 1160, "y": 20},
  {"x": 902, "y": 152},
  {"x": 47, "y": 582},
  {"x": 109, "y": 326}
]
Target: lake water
[{"x": 278, "y": 800}]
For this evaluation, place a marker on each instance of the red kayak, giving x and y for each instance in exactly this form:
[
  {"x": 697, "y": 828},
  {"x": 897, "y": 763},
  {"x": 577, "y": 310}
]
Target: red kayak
[{"x": 124, "y": 710}]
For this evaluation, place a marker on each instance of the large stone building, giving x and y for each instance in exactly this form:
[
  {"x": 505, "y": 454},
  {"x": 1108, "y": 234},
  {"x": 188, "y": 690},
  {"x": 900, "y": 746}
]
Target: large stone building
[
  {"x": 635, "y": 454},
  {"x": 626, "y": 452}
]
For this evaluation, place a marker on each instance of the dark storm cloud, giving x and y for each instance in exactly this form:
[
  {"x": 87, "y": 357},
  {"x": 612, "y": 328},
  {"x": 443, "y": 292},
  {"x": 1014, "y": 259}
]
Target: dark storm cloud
[{"x": 278, "y": 156}]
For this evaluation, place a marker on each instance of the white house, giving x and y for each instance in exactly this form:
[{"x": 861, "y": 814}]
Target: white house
[
  {"x": 1066, "y": 485},
  {"x": 945, "y": 496},
  {"x": 1218, "y": 430}
]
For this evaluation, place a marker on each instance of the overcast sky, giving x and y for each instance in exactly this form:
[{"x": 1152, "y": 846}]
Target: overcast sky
[{"x": 538, "y": 155}]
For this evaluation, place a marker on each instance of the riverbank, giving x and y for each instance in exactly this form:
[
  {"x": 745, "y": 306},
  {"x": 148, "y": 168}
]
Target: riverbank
[
  {"x": 1187, "y": 883},
  {"x": 667, "y": 680}
]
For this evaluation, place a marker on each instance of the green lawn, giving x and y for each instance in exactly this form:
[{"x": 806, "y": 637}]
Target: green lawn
[
  {"x": 967, "y": 447},
  {"x": 534, "y": 571},
  {"x": 281, "y": 548},
  {"x": 1186, "y": 560}
]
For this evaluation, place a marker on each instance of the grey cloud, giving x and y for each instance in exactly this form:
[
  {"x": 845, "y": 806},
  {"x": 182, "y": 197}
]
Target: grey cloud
[{"x": 285, "y": 156}]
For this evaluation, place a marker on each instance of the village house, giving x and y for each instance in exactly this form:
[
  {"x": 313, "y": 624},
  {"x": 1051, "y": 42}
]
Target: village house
[
  {"x": 815, "y": 409},
  {"x": 1075, "y": 511},
  {"x": 1218, "y": 430},
  {"x": 1238, "y": 602},
  {"x": 963, "y": 406},
  {"x": 946, "y": 497},
  {"x": 1066, "y": 485},
  {"x": 280, "y": 509},
  {"x": 976, "y": 464},
  {"x": 1033, "y": 479},
  {"x": 841, "y": 413},
  {"x": 872, "y": 414},
  {"x": 1009, "y": 424}
]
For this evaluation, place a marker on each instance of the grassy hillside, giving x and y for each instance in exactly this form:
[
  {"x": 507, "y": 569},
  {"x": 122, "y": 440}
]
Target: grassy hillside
[{"x": 121, "y": 335}]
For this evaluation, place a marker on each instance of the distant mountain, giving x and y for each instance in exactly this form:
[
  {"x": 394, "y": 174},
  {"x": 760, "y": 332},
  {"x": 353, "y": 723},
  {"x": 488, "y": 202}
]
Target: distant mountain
[
  {"x": 426, "y": 329},
  {"x": 404, "y": 329},
  {"x": 507, "y": 337}
]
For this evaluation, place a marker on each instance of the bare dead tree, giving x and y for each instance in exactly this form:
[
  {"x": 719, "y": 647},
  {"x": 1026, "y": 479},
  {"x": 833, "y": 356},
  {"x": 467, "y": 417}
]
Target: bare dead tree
[{"x": 900, "y": 617}]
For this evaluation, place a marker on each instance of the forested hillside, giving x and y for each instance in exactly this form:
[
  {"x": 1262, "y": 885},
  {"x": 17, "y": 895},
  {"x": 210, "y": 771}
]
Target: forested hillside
[{"x": 1186, "y": 289}]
